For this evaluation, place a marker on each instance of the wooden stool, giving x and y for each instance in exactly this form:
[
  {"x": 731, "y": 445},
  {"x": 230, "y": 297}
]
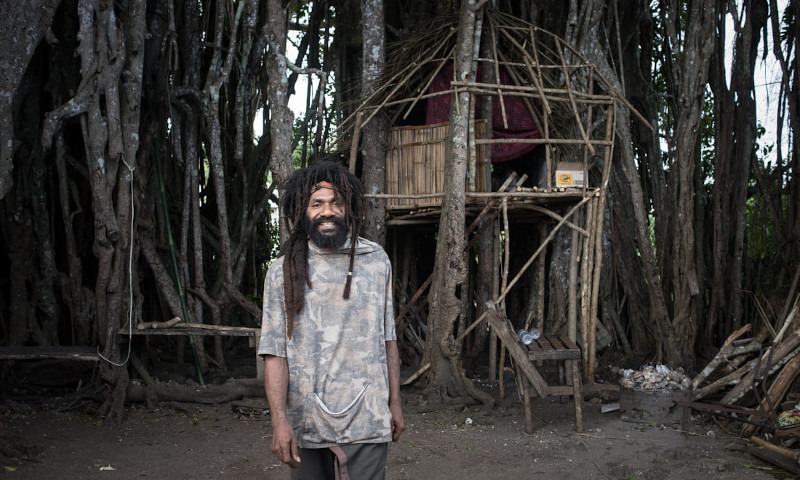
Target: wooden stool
[{"x": 561, "y": 349}]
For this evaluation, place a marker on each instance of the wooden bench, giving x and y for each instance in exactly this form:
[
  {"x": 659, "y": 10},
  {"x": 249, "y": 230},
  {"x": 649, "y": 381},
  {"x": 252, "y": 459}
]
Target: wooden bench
[
  {"x": 201, "y": 329},
  {"x": 568, "y": 356},
  {"x": 88, "y": 354}
]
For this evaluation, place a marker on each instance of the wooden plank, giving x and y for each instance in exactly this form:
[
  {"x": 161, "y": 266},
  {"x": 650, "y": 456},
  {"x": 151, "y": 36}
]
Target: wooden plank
[
  {"x": 509, "y": 339},
  {"x": 545, "y": 345},
  {"x": 88, "y": 354},
  {"x": 198, "y": 329},
  {"x": 568, "y": 343},
  {"x": 557, "y": 345},
  {"x": 549, "y": 348}
]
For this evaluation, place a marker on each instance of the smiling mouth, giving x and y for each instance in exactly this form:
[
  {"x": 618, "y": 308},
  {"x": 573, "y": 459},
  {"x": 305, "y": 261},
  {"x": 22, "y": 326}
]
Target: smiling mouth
[{"x": 327, "y": 226}]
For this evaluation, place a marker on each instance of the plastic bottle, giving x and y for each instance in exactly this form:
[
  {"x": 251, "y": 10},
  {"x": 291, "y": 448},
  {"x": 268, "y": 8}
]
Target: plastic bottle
[
  {"x": 525, "y": 336},
  {"x": 535, "y": 333}
]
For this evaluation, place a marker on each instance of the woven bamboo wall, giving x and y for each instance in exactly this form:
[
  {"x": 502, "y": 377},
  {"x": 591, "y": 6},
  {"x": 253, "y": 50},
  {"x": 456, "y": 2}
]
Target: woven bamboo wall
[{"x": 415, "y": 164}]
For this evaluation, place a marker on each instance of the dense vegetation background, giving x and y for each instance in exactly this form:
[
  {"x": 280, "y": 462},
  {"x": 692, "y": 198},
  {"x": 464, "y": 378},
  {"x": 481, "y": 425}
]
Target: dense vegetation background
[{"x": 141, "y": 142}]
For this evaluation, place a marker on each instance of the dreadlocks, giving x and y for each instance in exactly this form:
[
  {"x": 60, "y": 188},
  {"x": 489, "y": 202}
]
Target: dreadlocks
[{"x": 295, "y": 193}]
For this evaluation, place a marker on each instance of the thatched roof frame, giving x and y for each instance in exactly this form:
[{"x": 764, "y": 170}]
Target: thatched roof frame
[{"x": 562, "y": 90}]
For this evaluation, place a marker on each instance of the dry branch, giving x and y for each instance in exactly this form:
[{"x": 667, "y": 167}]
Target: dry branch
[
  {"x": 724, "y": 353},
  {"x": 772, "y": 359}
]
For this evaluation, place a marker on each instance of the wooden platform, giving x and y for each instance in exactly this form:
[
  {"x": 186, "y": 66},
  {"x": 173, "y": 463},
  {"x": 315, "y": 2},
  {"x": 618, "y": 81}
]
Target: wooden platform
[
  {"x": 524, "y": 205},
  {"x": 88, "y": 354},
  {"x": 197, "y": 329}
]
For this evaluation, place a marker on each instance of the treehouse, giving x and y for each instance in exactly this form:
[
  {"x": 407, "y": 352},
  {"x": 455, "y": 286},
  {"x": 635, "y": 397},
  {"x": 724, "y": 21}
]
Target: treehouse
[{"x": 540, "y": 151}]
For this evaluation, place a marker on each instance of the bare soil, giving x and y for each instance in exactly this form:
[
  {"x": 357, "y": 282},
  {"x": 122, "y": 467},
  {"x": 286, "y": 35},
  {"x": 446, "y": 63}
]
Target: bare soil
[{"x": 61, "y": 440}]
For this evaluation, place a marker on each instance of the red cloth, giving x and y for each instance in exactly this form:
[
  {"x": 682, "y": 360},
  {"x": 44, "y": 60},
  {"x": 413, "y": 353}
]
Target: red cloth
[{"x": 520, "y": 121}]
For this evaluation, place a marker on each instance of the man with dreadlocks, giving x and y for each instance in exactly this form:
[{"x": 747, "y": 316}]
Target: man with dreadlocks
[{"x": 332, "y": 369}]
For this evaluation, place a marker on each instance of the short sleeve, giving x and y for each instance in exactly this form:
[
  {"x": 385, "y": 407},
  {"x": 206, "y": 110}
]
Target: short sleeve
[{"x": 273, "y": 314}]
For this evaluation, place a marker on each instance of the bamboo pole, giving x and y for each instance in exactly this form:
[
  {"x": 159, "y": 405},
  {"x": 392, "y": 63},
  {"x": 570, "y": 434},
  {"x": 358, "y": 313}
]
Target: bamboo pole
[
  {"x": 495, "y": 291},
  {"x": 586, "y": 324},
  {"x": 573, "y": 104},
  {"x": 356, "y": 140},
  {"x": 597, "y": 262},
  {"x": 541, "y": 265},
  {"x": 503, "y": 284},
  {"x": 496, "y": 64},
  {"x": 572, "y": 311}
]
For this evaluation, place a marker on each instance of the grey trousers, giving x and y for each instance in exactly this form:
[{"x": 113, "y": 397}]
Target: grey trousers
[{"x": 363, "y": 461}]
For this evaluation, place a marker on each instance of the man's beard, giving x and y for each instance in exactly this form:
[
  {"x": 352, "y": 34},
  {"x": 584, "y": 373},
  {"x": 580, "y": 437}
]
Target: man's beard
[{"x": 326, "y": 240}]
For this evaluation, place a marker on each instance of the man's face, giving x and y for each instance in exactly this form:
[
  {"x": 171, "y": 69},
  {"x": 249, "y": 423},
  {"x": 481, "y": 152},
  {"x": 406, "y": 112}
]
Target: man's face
[{"x": 325, "y": 219}]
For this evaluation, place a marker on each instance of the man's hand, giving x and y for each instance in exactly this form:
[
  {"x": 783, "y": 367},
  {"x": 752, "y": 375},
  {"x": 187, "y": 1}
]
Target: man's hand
[
  {"x": 284, "y": 444},
  {"x": 276, "y": 380},
  {"x": 398, "y": 422}
]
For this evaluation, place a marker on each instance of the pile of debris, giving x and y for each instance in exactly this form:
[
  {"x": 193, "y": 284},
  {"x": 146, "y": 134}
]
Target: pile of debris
[
  {"x": 658, "y": 378},
  {"x": 749, "y": 380}
]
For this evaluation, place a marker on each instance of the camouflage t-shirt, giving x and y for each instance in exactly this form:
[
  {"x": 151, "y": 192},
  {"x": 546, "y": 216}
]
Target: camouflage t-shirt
[{"x": 338, "y": 378}]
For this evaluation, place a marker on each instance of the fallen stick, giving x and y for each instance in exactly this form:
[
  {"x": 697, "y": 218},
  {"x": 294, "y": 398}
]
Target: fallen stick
[
  {"x": 733, "y": 378},
  {"x": 723, "y": 354}
]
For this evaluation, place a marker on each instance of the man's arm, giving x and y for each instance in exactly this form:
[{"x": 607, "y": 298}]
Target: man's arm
[
  {"x": 395, "y": 403},
  {"x": 276, "y": 385}
]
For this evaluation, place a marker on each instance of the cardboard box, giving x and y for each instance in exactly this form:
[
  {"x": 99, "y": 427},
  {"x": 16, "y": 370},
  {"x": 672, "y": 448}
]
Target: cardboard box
[{"x": 570, "y": 174}]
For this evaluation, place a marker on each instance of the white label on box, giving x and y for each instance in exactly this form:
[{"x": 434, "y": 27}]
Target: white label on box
[{"x": 569, "y": 178}]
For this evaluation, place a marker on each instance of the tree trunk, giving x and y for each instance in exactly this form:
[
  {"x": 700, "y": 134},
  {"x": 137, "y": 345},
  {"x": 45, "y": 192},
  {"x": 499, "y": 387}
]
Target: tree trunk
[
  {"x": 446, "y": 381},
  {"x": 374, "y": 134},
  {"x": 22, "y": 27},
  {"x": 281, "y": 118},
  {"x": 692, "y": 54},
  {"x": 647, "y": 306},
  {"x": 734, "y": 146}
]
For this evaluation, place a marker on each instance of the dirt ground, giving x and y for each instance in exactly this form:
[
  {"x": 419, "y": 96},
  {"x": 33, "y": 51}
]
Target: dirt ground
[{"x": 55, "y": 440}]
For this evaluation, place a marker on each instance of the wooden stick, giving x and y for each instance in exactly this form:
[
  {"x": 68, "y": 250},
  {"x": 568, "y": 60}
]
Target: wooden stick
[
  {"x": 722, "y": 355},
  {"x": 732, "y": 378},
  {"x": 573, "y": 105},
  {"x": 788, "y": 453},
  {"x": 416, "y": 375},
  {"x": 356, "y": 140},
  {"x": 169, "y": 323}
]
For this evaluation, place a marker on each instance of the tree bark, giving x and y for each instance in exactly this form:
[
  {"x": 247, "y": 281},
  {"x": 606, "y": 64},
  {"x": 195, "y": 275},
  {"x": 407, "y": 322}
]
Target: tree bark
[
  {"x": 692, "y": 53},
  {"x": 281, "y": 118},
  {"x": 446, "y": 382},
  {"x": 22, "y": 27},
  {"x": 374, "y": 135},
  {"x": 734, "y": 146}
]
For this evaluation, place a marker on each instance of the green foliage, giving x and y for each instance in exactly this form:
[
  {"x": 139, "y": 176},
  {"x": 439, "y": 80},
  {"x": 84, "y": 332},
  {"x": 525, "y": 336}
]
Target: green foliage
[{"x": 706, "y": 138}]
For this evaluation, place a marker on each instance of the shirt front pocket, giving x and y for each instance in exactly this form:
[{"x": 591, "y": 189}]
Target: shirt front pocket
[{"x": 322, "y": 425}]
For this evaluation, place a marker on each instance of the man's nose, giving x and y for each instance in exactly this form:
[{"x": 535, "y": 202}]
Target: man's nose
[{"x": 327, "y": 210}]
